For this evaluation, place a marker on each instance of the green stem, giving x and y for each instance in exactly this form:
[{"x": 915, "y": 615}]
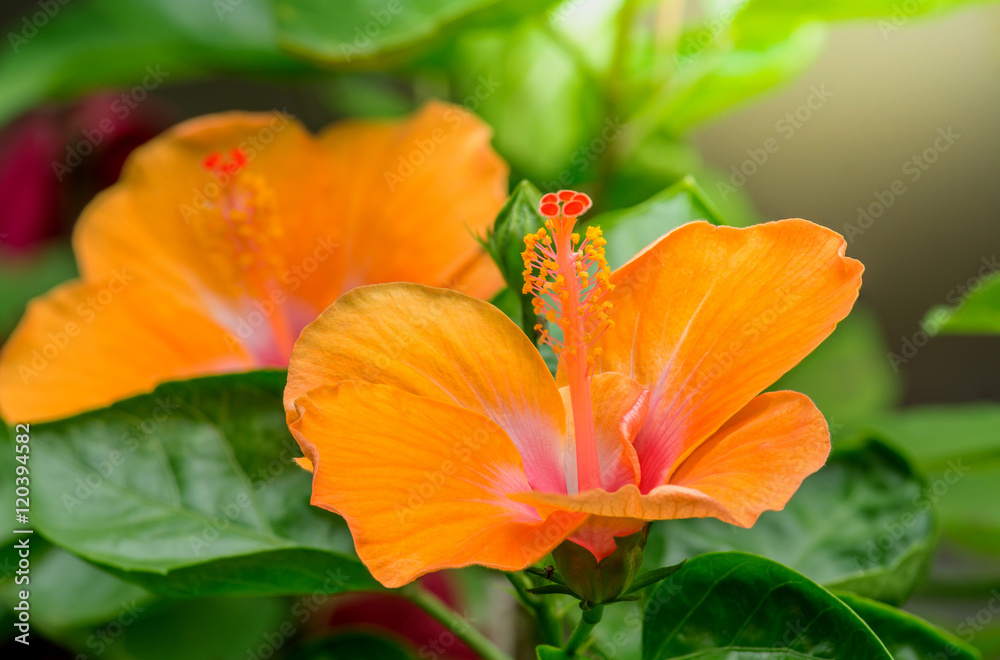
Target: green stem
[
  {"x": 588, "y": 620},
  {"x": 461, "y": 628},
  {"x": 548, "y": 623}
]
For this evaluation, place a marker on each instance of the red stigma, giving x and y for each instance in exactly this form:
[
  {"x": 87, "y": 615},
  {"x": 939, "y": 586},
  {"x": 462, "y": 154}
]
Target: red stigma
[
  {"x": 215, "y": 163},
  {"x": 567, "y": 203},
  {"x": 212, "y": 161}
]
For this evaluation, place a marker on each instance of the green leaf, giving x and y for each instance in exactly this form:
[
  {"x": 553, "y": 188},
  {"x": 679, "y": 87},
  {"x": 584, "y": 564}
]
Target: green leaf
[
  {"x": 629, "y": 231},
  {"x": 200, "y": 629},
  {"x": 720, "y": 79},
  {"x": 977, "y": 313},
  {"x": 67, "y": 592},
  {"x": 861, "y": 523},
  {"x": 505, "y": 243},
  {"x": 106, "y": 43},
  {"x": 370, "y": 31},
  {"x": 848, "y": 377},
  {"x": 508, "y": 75},
  {"x": 907, "y": 636},
  {"x": 352, "y": 646},
  {"x": 959, "y": 448},
  {"x": 737, "y": 605},
  {"x": 189, "y": 491}
]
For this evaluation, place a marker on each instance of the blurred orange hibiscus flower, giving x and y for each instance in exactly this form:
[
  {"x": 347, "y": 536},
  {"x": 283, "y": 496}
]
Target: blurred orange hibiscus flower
[
  {"x": 433, "y": 426},
  {"x": 229, "y": 233}
]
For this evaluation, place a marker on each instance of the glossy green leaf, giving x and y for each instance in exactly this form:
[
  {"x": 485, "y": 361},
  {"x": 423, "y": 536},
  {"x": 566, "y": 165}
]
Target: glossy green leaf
[
  {"x": 191, "y": 490},
  {"x": 959, "y": 449},
  {"x": 862, "y": 523},
  {"x": 977, "y": 310},
  {"x": 735, "y": 605},
  {"x": 908, "y": 637},
  {"x": 367, "y": 31},
  {"x": 352, "y": 646},
  {"x": 67, "y": 592},
  {"x": 629, "y": 231},
  {"x": 86, "y": 46},
  {"x": 847, "y": 376}
]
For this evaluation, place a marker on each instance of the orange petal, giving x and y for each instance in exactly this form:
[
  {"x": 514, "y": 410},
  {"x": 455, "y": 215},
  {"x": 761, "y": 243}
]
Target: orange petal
[
  {"x": 422, "y": 484},
  {"x": 302, "y": 240},
  {"x": 442, "y": 345},
  {"x": 620, "y": 406},
  {"x": 415, "y": 194},
  {"x": 162, "y": 221},
  {"x": 708, "y": 317},
  {"x": 758, "y": 459},
  {"x": 86, "y": 346}
]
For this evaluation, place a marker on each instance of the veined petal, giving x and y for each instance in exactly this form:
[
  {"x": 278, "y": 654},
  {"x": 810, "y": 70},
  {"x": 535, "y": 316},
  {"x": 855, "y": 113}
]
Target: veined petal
[
  {"x": 620, "y": 406},
  {"x": 759, "y": 458},
  {"x": 439, "y": 174},
  {"x": 86, "y": 346},
  {"x": 445, "y": 346},
  {"x": 422, "y": 484},
  {"x": 708, "y": 317}
]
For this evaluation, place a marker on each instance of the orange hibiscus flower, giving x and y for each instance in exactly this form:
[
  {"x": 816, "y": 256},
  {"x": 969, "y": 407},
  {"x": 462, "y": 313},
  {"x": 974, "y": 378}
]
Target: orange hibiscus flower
[
  {"x": 229, "y": 233},
  {"x": 433, "y": 426}
]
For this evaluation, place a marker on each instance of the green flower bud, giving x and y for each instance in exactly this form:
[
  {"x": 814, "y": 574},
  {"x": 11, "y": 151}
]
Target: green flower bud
[{"x": 597, "y": 582}]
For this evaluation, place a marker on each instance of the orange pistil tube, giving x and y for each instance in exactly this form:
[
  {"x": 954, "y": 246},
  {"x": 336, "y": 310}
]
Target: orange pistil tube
[{"x": 568, "y": 288}]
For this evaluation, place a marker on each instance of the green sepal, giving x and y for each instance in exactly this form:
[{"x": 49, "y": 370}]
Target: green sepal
[
  {"x": 505, "y": 243},
  {"x": 598, "y": 582},
  {"x": 550, "y": 589},
  {"x": 650, "y": 578}
]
